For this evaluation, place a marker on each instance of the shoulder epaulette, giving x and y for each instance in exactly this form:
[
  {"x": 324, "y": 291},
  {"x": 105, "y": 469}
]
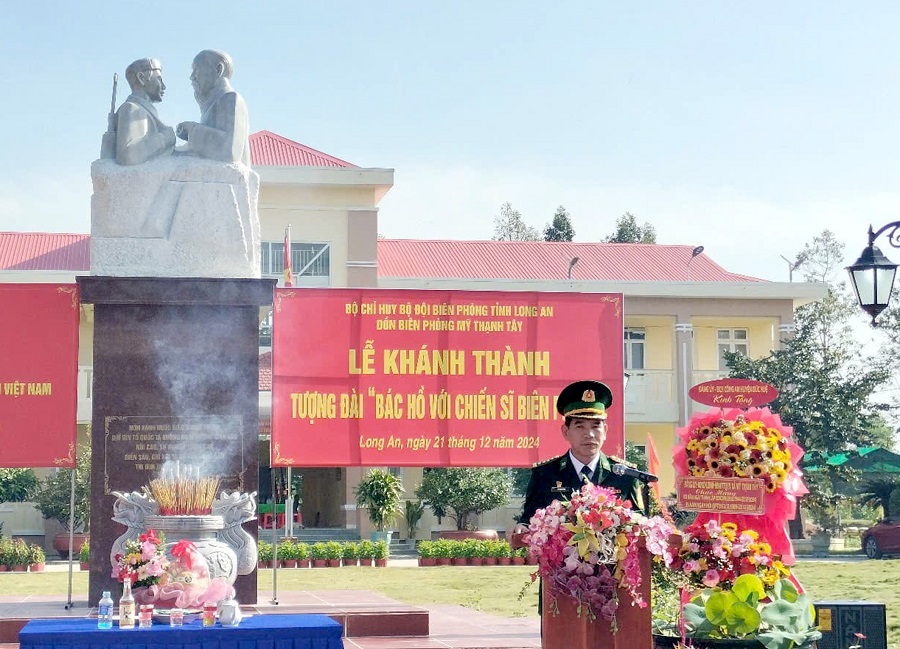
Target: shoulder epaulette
[
  {"x": 618, "y": 460},
  {"x": 552, "y": 459}
]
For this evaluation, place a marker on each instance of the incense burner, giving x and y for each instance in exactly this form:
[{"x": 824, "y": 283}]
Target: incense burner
[{"x": 228, "y": 549}]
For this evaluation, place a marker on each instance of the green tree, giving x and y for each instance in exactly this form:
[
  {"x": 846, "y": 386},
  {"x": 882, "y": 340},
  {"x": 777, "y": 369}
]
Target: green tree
[
  {"x": 464, "y": 493},
  {"x": 509, "y": 226},
  {"x": 628, "y": 231},
  {"x": 825, "y": 384},
  {"x": 17, "y": 485},
  {"x": 561, "y": 228},
  {"x": 52, "y": 499}
]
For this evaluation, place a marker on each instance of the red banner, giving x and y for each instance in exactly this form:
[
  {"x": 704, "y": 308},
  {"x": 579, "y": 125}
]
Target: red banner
[
  {"x": 38, "y": 374},
  {"x": 734, "y": 393},
  {"x": 367, "y": 377}
]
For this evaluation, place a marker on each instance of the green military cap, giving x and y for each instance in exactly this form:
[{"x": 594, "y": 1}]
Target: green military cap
[{"x": 584, "y": 399}]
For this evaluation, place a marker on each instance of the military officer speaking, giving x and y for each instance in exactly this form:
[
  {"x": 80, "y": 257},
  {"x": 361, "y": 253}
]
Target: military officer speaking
[{"x": 583, "y": 404}]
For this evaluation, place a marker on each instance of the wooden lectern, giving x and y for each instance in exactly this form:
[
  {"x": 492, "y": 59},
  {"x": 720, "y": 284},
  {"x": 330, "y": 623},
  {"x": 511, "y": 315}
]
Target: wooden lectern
[{"x": 568, "y": 631}]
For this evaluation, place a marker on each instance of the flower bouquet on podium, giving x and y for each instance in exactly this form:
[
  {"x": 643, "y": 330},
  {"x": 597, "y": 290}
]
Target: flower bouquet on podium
[{"x": 587, "y": 552}]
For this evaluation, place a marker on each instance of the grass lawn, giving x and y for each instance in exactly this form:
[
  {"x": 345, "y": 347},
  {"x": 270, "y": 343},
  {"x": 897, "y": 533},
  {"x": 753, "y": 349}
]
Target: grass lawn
[{"x": 496, "y": 590}]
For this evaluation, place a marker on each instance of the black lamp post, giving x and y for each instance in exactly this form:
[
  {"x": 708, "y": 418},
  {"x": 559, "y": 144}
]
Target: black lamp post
[{"x": 872, "y": 275}]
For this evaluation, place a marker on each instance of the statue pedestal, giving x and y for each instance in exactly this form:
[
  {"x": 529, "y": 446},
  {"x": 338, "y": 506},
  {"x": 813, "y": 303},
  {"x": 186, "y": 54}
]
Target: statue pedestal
[
  {"x": 176, "y": 377},
  {"x": 568, "y": 631}
]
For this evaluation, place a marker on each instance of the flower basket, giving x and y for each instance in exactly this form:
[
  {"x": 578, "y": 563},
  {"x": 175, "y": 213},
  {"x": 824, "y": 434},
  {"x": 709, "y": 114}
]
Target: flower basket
[{"x": 595, "y": 570}]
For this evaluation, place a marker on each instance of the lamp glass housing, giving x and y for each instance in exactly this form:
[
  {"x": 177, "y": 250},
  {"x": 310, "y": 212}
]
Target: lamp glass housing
[{"x": 872, "y": 277}]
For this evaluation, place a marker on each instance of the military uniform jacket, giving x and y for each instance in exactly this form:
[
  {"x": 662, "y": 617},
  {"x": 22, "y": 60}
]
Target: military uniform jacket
[{"x": 556, "y": 479}]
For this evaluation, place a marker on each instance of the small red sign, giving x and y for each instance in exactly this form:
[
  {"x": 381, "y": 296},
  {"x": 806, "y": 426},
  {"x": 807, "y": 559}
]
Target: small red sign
[
  {"x": 721, "y": 495},
  {"x": 733, "y": 393}
]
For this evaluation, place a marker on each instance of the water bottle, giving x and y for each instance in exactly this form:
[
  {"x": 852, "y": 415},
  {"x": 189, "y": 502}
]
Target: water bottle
[{"x": 105, "y": 611}]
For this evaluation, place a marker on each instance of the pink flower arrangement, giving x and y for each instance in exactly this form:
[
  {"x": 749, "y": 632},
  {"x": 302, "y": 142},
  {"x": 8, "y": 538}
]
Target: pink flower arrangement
[
  {"x": 143, "y": 562},
  {"x": 713, "y": 555},
  {"x": 586, "y": 549}
]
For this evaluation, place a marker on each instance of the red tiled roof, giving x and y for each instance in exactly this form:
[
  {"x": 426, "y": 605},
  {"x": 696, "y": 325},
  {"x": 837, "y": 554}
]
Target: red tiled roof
[
  {"x": 44, "y": 251},
  {"x": 270, "y": 149},
  {"x": 543, "y": 260},
  {"x": 265, "y": 372}
]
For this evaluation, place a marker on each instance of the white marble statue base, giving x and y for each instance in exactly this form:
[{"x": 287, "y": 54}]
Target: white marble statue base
[{"x": 175, "y": 216}]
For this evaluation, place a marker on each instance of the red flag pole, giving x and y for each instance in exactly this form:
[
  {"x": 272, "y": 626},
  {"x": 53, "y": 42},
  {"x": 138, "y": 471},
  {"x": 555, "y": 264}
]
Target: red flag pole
[
  {"x": 653, "y": 464},
  {"x": 288, "y": 271}
]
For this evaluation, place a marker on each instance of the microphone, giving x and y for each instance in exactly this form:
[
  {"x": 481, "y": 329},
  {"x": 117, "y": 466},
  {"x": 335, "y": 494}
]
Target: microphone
[{"x": 621, "y": 469}]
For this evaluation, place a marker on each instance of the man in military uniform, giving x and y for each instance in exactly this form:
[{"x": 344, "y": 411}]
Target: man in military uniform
[{"x": 583, "y": 404}]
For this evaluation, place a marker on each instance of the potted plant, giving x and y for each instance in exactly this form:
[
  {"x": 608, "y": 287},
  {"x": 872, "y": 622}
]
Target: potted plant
[
  {"x": 84, "y": 556},
  {"x": 333, "y": 554},
  {"x": 301, "y": 551},
  {"x": 37, "y": 558},
  {"x": 458, "y": 554},
  {"x": 21, "y": 556},
  {"x": 490, "y": 555},
  {"x": 413, "y": 514},
  {"x": 381, "y": 554},
  {"x": 442, "y": 548},
  {"x": 501, "y": 551},
  {"x": 286, "y": 557},
  {"x": 6, "y": 553},
  {"x": 519, "y": 556},
  {"x": 319, "y": 555},
  {"x": 426, "y": 553},
  {"x": 379, "y": 492},
  {"x": 265, "y": 554},
  {"x": 473, "y": 551},
  {"x": 52, "y": 499},
  {"x": 776, "y": 618},
  {"x": 350, "y": 554},
  {"x": 366, "y": 552}
]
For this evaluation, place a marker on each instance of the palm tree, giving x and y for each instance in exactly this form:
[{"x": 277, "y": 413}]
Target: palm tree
[{"x": 877, "y": 492}]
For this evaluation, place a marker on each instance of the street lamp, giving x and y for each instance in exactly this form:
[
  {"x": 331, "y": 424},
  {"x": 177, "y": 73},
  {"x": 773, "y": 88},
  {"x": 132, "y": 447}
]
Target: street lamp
[
  {"x": 572, "y": 262},
  {"x": 794, "y": 265},
  {"x": 696, "y": 252},
  {"x": 872, "y": 275}
]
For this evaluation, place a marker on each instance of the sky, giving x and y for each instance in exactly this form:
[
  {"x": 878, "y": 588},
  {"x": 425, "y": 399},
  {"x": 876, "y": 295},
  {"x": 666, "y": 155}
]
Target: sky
[{"x": 747, "y": 128}]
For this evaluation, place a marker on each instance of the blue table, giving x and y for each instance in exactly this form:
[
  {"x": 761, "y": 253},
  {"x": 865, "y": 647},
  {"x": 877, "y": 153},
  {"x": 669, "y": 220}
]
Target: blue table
[{"x": 256, "y": 632}]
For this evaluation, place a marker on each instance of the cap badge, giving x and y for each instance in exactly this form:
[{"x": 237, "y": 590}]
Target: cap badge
[{"x": 588, "y": 396}]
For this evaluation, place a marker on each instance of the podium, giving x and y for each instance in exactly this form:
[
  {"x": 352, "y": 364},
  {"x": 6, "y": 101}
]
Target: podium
[{"x": 568, "y": 631}]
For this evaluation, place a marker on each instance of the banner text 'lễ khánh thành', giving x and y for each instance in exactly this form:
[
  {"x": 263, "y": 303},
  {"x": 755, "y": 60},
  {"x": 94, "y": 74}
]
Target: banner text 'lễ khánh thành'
[
  {"x": 38, "y": 375},
  {"x": 369, "y": 377}
]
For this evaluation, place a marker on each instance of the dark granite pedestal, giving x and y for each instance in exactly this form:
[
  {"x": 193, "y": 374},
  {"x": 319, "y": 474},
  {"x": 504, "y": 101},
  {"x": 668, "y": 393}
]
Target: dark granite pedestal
[{"x": 176, "y": 377}]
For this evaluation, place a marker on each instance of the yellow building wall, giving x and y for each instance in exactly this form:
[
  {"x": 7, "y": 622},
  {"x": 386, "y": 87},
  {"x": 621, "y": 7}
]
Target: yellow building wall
[
  {"x": 659, "y": 350},
  {"x": 664, "y": 440},
  {"x": 761, "y": 334}
]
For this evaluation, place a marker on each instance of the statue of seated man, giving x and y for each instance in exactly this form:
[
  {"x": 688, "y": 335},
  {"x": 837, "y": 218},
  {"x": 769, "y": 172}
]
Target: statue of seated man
[
  {"x": 224, "y": 130},
  {"x": 140, "y": 135}
]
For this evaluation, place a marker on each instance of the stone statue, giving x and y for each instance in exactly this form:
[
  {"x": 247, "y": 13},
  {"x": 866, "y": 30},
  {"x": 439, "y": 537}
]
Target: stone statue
[
  {"x": 224, "y": 130},
  {"x": 140, "y": 135}
]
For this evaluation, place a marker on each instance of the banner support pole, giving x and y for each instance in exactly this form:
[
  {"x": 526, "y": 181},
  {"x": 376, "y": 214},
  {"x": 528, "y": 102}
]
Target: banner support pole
[
  {"x": 274, "y": 536},
  {"x": 69, "y": 603}
]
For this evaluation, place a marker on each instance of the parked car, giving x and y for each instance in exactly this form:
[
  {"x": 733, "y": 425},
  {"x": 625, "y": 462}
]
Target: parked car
[{"x": 882, "y": 538}]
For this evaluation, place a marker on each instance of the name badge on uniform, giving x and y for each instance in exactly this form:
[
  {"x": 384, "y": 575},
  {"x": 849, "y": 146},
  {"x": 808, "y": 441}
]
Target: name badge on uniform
[{"x": 559, "y": 488}]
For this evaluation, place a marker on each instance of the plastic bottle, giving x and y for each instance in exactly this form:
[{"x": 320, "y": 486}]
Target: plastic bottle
[
  {"x": 105, "y": 611},
  {"x": 126, "y": 606}
]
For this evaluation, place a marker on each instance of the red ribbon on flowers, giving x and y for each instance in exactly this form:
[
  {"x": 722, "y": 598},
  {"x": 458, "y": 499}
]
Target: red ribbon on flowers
[
  {"x": 182, "y": 551},
  {"x": 149, "y": 535}
]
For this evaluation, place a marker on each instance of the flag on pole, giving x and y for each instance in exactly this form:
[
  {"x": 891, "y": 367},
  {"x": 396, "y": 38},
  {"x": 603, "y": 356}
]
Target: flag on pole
[
  {"x": 288, "y": 271},
  {"x": 653, "y": 464}
]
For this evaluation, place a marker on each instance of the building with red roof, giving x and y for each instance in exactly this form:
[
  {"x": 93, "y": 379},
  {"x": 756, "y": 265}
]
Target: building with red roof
[{"x": 682, "y": 309}]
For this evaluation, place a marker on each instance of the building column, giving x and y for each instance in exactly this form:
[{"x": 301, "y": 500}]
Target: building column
[{"x": 684, "y": 368}]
